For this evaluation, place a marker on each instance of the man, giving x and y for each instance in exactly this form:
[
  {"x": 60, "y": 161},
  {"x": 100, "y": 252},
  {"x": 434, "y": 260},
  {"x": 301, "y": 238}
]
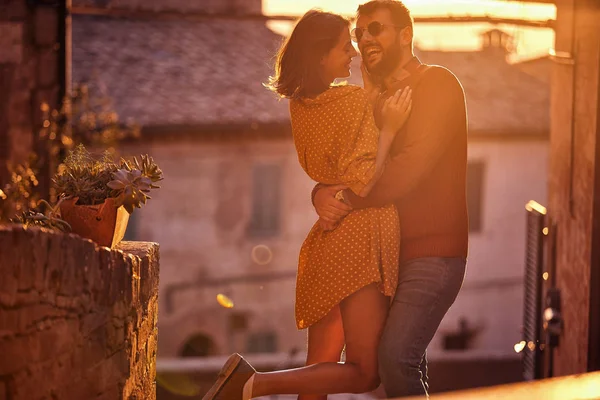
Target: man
[{"x": 426, "y": 180}]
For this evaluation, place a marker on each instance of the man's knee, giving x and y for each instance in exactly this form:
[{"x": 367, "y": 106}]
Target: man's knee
[
  {"x": 401, "y": 376},
  {"x": 398, "y": 366}
]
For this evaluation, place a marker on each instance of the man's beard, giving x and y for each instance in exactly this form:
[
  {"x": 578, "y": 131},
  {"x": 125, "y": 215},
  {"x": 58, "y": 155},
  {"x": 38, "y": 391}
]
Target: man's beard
[{"x": 390, "y": 60}]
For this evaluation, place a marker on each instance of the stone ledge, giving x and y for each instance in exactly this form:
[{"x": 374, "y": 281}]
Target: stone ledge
[{"x": 76, "y": 320}]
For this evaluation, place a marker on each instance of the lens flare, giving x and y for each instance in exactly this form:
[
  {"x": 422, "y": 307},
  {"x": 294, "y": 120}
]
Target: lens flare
[
  {"x": 262, "y": 254},
  {"x": 224, "y": 301},
  {"x": 179, "y": 384}
]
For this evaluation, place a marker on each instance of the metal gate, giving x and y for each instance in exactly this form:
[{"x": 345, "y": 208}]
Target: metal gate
[{"x": 532, "y": 312}]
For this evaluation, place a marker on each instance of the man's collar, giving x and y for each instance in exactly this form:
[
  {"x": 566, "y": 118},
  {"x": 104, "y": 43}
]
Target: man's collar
[
  {"x": 412, "y": 65},
  {"x": 405, "y": 72}
]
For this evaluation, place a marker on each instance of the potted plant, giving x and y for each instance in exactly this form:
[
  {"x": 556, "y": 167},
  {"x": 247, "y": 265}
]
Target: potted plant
[{"x": 97, "y": 195}]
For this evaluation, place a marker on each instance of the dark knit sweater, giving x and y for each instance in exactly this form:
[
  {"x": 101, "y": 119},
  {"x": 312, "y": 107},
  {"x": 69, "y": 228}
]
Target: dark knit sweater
[{"x": 426, "y": 176}]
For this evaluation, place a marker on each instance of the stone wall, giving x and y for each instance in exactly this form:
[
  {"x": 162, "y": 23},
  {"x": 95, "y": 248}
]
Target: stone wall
[
  {"x": 77, "y": 321},
  {"x": 33, "y": 42}
]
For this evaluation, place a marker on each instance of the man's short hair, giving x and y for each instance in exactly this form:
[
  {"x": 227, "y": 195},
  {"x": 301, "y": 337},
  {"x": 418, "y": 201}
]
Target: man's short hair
[{"x": 399, "y": 12}]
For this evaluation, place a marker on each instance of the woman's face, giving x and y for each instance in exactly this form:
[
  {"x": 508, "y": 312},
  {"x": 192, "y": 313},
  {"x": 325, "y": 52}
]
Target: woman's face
[{"x": 336, "y": 63}]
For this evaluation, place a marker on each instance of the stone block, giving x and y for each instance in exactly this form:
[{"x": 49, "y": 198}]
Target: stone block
[
  {"x": 47, "y": 67},
  {"x": 8, "y": 283},
  {"x": 57, "y": 337},
  {"x": 21, "y": 142},
  {"x": 17, "y": 352},
  {"x": 40, "y": 253},
  {"x": 92, "y": 321},
  {"x": 10, "y": 320},
  {"x": 11, "y": 42},
  {"x": 35, "y": 316},
  {"x": 19, "y": 107},
  {"x": 25, "y": 77},
  {"x": 46, "y": 26},
  {"x": 13, "y": 10}
]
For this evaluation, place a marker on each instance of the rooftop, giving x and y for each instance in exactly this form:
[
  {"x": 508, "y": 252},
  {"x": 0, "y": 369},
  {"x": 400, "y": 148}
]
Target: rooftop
[
  {"x": 180, "y": 72},
  {"x": 211, "y": 72}
]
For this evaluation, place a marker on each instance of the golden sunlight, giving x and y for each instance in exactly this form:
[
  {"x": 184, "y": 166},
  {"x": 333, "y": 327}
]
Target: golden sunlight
[
  {"x": 499, "y": 8},
  {"x": 530, "y": 42}
]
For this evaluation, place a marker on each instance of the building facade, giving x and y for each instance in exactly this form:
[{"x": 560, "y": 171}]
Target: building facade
[{"x": 234, "y": 207}]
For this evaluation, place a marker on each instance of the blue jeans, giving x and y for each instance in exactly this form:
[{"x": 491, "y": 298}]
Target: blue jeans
[{"x": 427, "y": 287}]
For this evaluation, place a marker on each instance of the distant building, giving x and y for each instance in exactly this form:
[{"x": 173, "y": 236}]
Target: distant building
[{"x": 235, "y": 207}]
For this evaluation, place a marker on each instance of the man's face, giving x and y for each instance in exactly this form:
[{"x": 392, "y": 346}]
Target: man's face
[{"x": 381, "y": 53}]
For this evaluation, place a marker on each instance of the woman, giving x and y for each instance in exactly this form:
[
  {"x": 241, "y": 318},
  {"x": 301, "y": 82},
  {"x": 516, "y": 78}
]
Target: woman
[{"x": 346, "y": 275}]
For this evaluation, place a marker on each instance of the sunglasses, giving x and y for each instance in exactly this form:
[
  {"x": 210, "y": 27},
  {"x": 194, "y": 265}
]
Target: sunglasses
[{"x": 374, "y": 28}]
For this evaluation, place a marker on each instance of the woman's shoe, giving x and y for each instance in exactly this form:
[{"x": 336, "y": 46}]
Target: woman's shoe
[{"x": 230, "y": 382}]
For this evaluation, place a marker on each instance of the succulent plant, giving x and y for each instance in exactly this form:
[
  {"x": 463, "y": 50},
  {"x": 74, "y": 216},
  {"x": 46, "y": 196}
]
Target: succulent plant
[
  {"x": 49, "y": 219},
  {"x": 130, "y": 188},
  {"x": 149, "y": 169},
  {"x": 93, "y": 181},
  {"x": 84, "y": 177}
]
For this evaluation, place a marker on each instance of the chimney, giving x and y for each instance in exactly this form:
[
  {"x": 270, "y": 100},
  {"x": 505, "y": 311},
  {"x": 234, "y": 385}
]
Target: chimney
[{"x": 497, "y": 41}]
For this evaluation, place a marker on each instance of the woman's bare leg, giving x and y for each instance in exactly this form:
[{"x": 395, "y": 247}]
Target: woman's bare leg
[
  {"x": 363, "y": 316},
  {"x": 325, "y": 343}
]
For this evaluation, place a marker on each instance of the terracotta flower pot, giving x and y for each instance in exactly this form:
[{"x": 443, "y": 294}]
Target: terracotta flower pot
[{"x": 103, "y": 223}]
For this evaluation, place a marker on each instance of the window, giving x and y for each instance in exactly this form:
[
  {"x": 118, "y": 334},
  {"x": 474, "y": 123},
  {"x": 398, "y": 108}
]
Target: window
[
  {"x": 266, "y": 198},
  {"x": 262, "y": 342},
  {"x": 475, "y": 172},
  {"x": 198, "y": 345}
]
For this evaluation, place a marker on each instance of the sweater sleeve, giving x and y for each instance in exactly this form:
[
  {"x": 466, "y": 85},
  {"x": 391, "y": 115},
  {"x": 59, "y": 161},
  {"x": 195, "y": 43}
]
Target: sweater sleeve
[{"x": 438, "y": 109}]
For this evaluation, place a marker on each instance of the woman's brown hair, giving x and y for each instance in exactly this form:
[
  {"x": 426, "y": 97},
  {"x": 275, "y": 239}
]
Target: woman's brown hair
[{"x": 297, "y": 68}]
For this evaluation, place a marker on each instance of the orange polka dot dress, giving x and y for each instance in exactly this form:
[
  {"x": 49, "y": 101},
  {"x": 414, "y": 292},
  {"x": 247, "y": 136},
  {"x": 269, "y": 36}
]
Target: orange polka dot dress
[{"x": 336, "y": 139}]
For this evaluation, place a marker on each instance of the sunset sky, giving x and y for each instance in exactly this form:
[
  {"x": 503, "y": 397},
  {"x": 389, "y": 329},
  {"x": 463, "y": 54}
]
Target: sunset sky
[{"x": 531, "y": 42}]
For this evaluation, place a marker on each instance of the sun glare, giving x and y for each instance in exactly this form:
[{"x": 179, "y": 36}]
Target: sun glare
[
  {"x": 499, "y": 8},
  {"x": 530, "y": 42}
]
